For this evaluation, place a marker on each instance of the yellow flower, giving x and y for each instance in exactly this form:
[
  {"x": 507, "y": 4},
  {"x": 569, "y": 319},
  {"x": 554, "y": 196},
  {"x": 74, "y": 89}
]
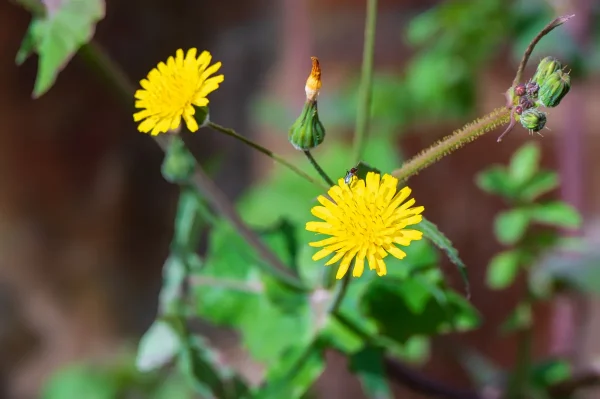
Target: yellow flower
[
  {"x": 366, "y": 220},
  {"x": 171, "y": 90}
]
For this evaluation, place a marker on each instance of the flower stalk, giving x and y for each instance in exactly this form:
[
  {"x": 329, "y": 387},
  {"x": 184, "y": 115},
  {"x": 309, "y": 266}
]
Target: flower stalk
[{"x": 452, "y": 143}]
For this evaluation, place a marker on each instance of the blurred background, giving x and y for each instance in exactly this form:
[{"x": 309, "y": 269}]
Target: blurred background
[{"x": 86, "y": 218}]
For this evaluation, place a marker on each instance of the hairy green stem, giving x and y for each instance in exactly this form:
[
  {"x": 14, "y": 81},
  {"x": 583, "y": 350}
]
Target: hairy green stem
[
  {"x": 318, "y": 168},
  {"x": 266, "y": 151},
  {"x": 200, "y": 181},
  {"x": 453, "y": 142},
  {"x": 366, "y": 81}
]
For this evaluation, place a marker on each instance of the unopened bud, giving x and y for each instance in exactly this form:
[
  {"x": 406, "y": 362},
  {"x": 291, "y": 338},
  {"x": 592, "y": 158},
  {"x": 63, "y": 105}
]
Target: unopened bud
[
  {"x": 308, "y": 131},
  {"x": 545, "y": 68},
  {"x": 533, "y": 120},
  {"x": 532, "y": 88},
  {"x": 554, "y": 88},
  {"x": 520, "y": 90}
]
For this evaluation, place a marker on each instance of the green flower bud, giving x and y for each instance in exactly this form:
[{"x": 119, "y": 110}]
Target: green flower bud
[
  {"x": 307, "y": 132},
  {"x": 533, "y": 119},
  {"x": 554, "y": 88},
  {"x": 545, "y": 68}
]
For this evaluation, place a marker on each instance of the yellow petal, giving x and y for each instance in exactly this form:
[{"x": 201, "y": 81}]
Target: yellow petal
[
  {"x": 412, "y": 234},
  {"x": 394, "y": 251},
  {"x": 335, "y": 258},
  {"x": 359, "y": 263},
  {"x": 381, "y": 269},
  {"x": 190, "y": 122},
  {"x": 318, "y": 227},
  {"x": 321, "y": 254},
  {"x": 345, "y": 264}
]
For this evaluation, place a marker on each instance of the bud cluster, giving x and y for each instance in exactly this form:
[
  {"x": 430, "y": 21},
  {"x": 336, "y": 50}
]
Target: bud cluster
[{"x": 549, "y": 85}]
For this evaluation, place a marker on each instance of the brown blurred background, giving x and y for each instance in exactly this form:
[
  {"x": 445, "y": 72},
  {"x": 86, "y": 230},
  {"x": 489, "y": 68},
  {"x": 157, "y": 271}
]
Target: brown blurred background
[{"x": 86, "y": 218}]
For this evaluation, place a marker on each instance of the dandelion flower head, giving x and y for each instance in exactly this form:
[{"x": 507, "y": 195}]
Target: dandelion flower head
[
  {"x": 365, "y": 220},
  {"x": 171, "y": 90}
]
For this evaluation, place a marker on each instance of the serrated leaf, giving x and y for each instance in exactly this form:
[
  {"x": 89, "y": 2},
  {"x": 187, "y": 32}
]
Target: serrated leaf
[
  {"x": 524, "y": 163},
  {"x": 367, "y": 365},
  {"x": 510, "y": 226},
  {"x": 503, "y": 269},
  {"x": 542, "y": 182},
  {"x": 432, "y": 233},
  {"x": 158, "y": 346},
  {"x": 57, "y": 35},
  {"x": 496, "y": 180},
  {"x": 556, "y": 213},
  {"x": 294, "y": 375}
]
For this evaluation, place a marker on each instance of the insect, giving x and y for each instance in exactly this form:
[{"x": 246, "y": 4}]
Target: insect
[{"x": 349, "y": 175}]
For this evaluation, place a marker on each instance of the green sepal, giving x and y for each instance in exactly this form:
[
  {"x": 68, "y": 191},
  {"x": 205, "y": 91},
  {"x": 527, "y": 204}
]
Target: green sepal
[{"x": 308, "y": 131}]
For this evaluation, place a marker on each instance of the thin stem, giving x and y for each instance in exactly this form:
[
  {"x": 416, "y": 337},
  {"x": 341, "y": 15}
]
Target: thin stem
[
  {"x": 547, "y": 29},
  {"x": 266, "y": 151},
  {"x": 452, "y": 142},
  {"x": 318, "y": 168},
  {"x": 217, "y": 198},
  {"x": 337, "y": 302},
  {"x": 364, "y": 105},
  {"x": 119, "y": 82}
]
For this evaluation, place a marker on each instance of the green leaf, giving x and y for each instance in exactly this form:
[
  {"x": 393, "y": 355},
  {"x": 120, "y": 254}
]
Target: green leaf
[
  {"x": 79, "y": 381},
  {"x": 438, "y": 238},
  {"x": 520, "y": 318},
  {"x": 556, "y": 213},
  {"x": 542, "y": 182},
  {"x": 336, "y": 335},
  {"x": 171, "y": 293},
  {"x": 384, "y": 301},
  {"x": 192, "y": 216},
  {"x": 367, "y": 365},
  {"x": 550, "y": 372},
  {"x": 179, "y": 163},
  {"x": 57, "y": 35},
  {"x": 510, "y": 226},
  {"x": 158, "y": 346},
  {"x": 230, "y": 291},
  {"x": 496, "y": 180},
  {"x": 524, "y": 163},
  {"x": 294, "y": 375},
  {"x": 207, "y": 373},
  {"x": 503, "y": 269}
]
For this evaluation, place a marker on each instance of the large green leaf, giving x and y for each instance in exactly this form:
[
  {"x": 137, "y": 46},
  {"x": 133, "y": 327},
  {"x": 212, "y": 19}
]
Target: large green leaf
[
  {"x": 438, "y": 238},
  {"x": 385, "y": 301},
  {"x": 231, "y": 291},
  {"x": 367, "y": 365},
  {"x": 57, "y": 34}
]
